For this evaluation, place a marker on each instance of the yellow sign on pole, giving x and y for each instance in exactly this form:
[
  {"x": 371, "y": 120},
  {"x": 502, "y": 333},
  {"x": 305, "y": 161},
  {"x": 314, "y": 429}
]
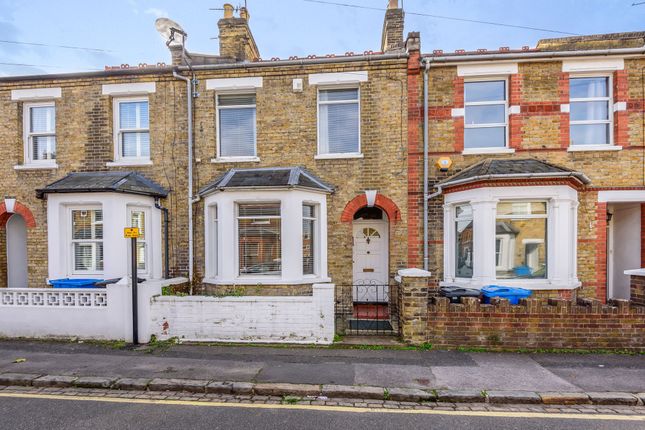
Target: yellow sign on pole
[{"x": 131, "y": 232}]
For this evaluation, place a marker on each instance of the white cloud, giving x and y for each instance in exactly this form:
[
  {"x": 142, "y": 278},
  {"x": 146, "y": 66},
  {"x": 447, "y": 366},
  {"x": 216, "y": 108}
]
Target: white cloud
[{"x": 157, "y": 12}]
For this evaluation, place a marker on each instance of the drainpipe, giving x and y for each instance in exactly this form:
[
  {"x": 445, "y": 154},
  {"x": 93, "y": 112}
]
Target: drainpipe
[
  {"x": 425, "y": 163},
  {"x": 190, "y": 94},
  {"x": 164, "y": 211}
]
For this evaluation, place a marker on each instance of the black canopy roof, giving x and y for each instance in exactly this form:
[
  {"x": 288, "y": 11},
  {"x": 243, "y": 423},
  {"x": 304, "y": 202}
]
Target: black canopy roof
[
  {"x": 512, "y": 168},
  {"x": 117, "y": 182},
  {"x": 269, "y": 177}
]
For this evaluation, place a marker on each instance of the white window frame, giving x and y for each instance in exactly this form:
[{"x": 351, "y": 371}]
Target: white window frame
[
  {"x": 491, "y": 149},
  {"x": 146, "y": 240},
  {"x": 117, "y": 131},
  {"x": 561, "y": 235},
  {"x": 218, "y": 155},
  {"x": 454, "y": 225},
  {"x": 316, "y": 234},
  {"x": 72, "y": 241},
  {"x": 27, "y": 134},
  {"x": 610, "y": 111},
  {"x": 324, "y": 155},
  {"x": 237, "y": 236}
]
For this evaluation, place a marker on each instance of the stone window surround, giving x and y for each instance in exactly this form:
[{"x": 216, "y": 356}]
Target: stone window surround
[
  {"x": 562, "y": 204},
  {"x": 116, "y": 249},
  {"x": 223, "y": 248}
]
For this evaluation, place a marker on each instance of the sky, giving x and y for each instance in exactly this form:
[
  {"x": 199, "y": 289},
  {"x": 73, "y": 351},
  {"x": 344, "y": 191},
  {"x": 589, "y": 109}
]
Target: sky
[{"x": 122, "y": 31}]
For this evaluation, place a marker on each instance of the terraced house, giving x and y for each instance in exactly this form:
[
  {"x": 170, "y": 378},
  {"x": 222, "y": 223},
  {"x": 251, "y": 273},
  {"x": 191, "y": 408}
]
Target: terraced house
[
  {"x": 263, "y": 177},
  {"x": 536, "y": 165},
  {"x": 272, "y": 175}
]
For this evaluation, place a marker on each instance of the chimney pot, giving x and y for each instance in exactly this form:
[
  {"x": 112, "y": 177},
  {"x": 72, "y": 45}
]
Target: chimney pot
[
  {"x": 393, "y": 4},
  {"x": 228, "y": 10},
  {"x": 244, "y": 13}
]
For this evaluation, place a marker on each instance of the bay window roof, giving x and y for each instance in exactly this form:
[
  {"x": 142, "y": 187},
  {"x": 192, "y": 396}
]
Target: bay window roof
[
  {"x": 269, "y": 177},
  {"x": 512, "y": 168},
  {"x": 117, "y": 182}
]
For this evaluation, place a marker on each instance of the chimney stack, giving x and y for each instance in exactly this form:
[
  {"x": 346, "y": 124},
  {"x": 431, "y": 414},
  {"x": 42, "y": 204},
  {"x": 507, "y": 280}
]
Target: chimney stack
[
  {"x": 235, "y": 38},
  {"x": 392, "y": 37}
]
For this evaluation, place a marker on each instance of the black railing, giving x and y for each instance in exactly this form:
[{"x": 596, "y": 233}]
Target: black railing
[{"x": 367, "y": 308}]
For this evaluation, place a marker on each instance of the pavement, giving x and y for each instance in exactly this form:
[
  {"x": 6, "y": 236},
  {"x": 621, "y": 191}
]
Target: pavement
[{"x": 432, "y": 371}]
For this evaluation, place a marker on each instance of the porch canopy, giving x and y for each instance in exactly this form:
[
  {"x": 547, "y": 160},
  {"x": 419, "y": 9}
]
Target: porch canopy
[
  {"x": 267, "y": 178},
  {"x": 511, "y": 169},
  {"x": 117, "y": 182}
]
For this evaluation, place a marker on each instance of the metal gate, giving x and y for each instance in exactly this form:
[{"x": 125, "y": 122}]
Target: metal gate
[{"x": 367, "y": 309}]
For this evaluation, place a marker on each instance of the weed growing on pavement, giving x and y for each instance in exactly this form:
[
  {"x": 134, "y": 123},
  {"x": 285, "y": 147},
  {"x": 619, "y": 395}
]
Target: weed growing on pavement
[{"x": 291, "y": 400}]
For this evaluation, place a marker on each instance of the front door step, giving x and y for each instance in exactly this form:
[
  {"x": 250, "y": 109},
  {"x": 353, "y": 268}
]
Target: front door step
[{"x": 387, "y": 340}]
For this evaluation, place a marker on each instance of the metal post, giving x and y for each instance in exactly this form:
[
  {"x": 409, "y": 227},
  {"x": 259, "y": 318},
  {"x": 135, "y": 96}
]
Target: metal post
[{"x": 135, "y": 284}]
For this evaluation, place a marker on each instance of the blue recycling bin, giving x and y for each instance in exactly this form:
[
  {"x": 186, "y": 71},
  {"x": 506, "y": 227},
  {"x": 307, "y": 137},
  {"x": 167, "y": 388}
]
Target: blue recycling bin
[
  {"x": 512, "y": 294},
  {"x": 74, "y": 283}
]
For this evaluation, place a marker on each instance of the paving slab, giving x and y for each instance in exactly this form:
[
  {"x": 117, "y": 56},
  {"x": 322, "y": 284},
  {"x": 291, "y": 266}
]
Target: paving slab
[
  {"x": 190, "y": 385},
  {"x": 286, "y": 389},
  {"x": 21, "y": 379},
  {"x": 562, "y": 398},
  {"x": 298, "y": 373},
  {"x": 54, "y": 381},
  {"x": 515, "y": 397},
  {"x": 393, "y": 375},
  {"x": 612, "y": 398}
]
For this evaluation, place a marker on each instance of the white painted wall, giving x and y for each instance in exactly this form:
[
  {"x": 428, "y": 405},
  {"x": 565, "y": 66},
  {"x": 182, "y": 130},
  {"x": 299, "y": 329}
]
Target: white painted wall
[
  {"x": 624, "y": 247},
  {"x": 115, "y": 247},
  {"x": 17, "y": 252},
  {"x": 92, "y": 313},
  {"x": 293, "y": 319}
]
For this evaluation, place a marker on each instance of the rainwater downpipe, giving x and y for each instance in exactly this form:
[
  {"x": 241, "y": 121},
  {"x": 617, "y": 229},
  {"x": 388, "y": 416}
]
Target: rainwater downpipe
[{"x": 189, "y": 104}]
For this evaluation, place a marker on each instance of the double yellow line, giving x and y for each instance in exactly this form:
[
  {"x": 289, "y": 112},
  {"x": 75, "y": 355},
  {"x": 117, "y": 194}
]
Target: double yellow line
[{"x": 345, "y": 409}]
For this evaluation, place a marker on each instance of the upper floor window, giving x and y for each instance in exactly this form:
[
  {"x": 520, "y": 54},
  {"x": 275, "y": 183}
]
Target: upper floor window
[
  {"x": 132, "y": 128},
  {"x": 589, "y": 110},
  {"x": 236, "y": 115},
  {"x": 87, "y": 240},
  {"x": 339, "y": 121},
  {"x": 485, "y": 116},
  {"x": 40, "y": 132}
]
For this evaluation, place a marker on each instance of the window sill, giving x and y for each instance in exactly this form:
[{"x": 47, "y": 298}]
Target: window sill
[
  {"x": 337, "y": 156},
  {"x": 265, "y": 281},
  {"x": 235, "y": 160},
  {"x": 36, "y": 166},
  {"x": 583, "y": 148},
  {"x": 477, "y": 151},
  {"x": 123, "y": 163}
]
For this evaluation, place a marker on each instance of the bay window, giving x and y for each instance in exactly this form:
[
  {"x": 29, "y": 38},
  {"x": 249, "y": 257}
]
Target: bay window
[
  {"x": 259, "y": 239},
  {"x": 308, "y": 239},
  {"x": 485, "y": 114},
  {"x": 87, "y": 240},
  {"x": 138, "y": 219},
  {"x": 590, "y": 110},
  {"x": 338, "y": 121},
  {"x": 463, "y": 241}
]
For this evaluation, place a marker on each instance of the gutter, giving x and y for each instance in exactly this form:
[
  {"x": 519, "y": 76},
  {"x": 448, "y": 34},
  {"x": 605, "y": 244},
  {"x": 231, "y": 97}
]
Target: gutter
[
  {"x": 581, "y": 177},
  {"x": 448, "y": 59},
  {"x": 189, "y": 104}
]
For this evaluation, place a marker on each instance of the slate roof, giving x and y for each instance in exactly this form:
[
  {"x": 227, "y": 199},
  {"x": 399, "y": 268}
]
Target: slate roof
[
  {"x": 94, "y": 182},
  {"x": 269, "y": 177},
  {"x": 512, "y": 168}
]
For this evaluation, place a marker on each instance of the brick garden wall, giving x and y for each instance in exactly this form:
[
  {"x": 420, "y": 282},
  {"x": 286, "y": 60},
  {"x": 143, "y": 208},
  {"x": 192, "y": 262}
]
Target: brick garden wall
[
  {"x": 535, "y": 324},
  {"x": 637, "y": 290}
]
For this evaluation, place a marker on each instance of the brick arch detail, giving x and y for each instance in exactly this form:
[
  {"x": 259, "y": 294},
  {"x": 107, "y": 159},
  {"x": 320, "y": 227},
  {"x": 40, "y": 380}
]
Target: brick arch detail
[
  {"x": 19, "y": 209},
  {"x": 382, "y": 202}
]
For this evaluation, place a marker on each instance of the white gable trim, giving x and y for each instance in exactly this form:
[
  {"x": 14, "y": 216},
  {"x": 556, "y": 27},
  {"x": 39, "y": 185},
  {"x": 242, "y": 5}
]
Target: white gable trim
[
  {"x": 621, "y": 196},
  {"x": 36, "y": 94},
  {"x": 226, "y": 84},
  {"x": 595, "y": 65},
  {"x": 337, "y": 78},
  {"x": 129, "y": 89},
  {"x": 486, "y": 69}
]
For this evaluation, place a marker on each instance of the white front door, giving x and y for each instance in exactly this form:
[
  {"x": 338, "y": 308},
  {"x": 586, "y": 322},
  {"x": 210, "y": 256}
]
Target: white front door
[
  {"x": 17, "y": 274},
  {"x": 371, "y": 260}
]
